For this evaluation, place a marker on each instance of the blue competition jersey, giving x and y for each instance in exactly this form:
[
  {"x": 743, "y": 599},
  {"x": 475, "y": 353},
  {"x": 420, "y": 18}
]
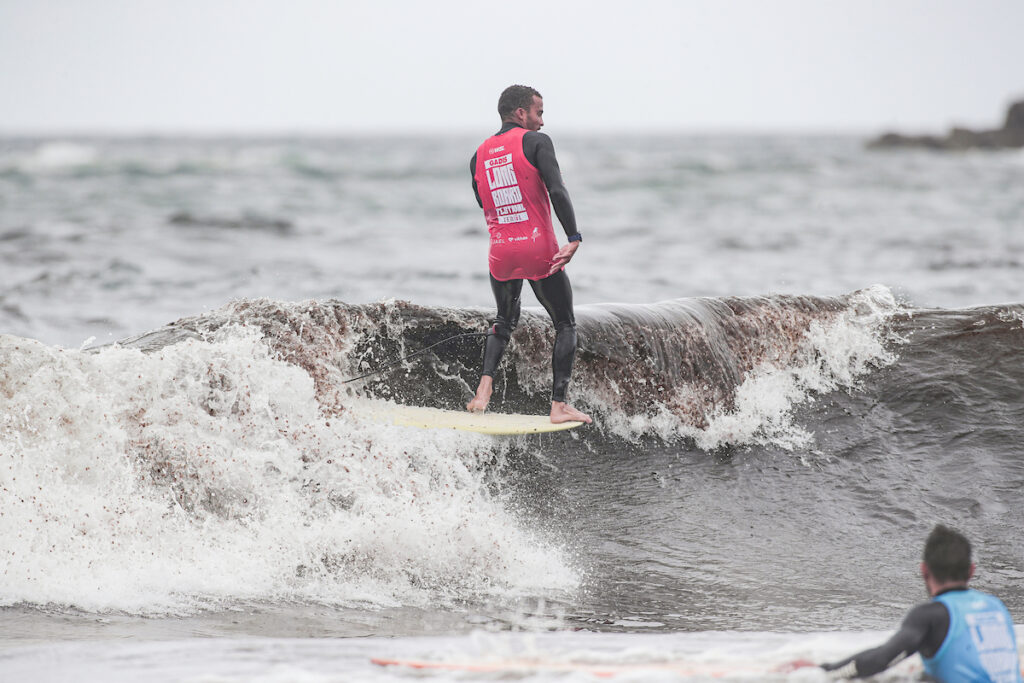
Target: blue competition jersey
[{"x": 980, "y": 645}]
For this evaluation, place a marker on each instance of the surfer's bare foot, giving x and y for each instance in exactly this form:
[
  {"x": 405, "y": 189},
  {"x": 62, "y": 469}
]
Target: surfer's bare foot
[
  {"x": 563, "y": 412},
  {"x": 483, "y": 395}
]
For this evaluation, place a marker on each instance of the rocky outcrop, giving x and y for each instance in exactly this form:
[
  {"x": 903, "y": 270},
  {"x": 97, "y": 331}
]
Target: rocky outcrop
[{"x": 1011, "y": 135}]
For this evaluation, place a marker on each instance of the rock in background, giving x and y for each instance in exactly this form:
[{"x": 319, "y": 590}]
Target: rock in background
[{"x": 1011, "y": 135}]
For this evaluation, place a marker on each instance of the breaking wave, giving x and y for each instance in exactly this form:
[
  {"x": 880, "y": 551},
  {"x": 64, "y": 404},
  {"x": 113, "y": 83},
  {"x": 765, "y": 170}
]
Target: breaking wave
[{"x": 226, "y": 457}]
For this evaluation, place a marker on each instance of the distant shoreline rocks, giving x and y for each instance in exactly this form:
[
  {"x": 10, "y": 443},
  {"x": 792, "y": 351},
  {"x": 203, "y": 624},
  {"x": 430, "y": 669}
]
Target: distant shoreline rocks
[{"x": 1010, "y": 136}]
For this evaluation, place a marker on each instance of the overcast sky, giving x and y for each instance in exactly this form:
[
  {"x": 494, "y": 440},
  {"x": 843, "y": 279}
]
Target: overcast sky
[{"x": 325, "y": 66}]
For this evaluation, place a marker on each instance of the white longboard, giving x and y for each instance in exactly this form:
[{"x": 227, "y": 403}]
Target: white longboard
[{"x": 482, "y": 423}]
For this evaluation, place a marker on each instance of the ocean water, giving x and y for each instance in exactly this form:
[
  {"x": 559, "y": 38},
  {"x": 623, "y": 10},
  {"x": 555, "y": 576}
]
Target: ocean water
[{"x": 800, "y": 355}]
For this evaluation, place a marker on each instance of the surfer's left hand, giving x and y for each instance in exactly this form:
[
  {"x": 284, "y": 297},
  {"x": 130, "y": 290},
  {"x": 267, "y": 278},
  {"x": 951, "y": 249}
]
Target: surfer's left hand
[{"x": 563, "y": 256}]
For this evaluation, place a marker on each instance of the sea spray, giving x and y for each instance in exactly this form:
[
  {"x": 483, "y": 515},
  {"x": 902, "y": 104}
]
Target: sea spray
[
  {"x": 834, "y": 355},
  {"x": 206, "y": 472}
]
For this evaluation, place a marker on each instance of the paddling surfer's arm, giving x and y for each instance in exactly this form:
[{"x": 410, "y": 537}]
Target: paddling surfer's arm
[{"x": 923, "y": 629}]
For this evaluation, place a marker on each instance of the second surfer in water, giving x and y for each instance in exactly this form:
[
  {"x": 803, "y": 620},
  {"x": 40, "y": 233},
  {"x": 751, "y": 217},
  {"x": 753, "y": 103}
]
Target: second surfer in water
[{"x": 516, "y": 180}]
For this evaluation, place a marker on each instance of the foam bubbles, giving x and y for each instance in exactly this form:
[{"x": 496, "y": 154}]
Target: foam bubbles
[
  {"x": 835, "y": 353},
  {"x": 61, "y": 155},
  {"x": 207, "y": 472},
  {"x": 745, "y": 371}
]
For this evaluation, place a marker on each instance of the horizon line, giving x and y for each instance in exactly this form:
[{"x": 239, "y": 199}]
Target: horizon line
[{"x": 271, "y": 132}]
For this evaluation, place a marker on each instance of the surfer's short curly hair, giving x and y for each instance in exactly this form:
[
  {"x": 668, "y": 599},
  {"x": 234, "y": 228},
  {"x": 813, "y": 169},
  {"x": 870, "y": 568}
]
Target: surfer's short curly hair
[
  {"x": 513, "y": 97},
  {"x": 947, "y": 553}
]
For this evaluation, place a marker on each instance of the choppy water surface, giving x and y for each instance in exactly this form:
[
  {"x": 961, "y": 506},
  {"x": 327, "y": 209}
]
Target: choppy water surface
[{"x": 800, "y": 356}]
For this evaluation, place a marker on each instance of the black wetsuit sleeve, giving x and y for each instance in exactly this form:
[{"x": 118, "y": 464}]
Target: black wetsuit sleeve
[
  {"x": 540, "y": 151},
  {"x": 923, "y": 630},
  {"x": 472, "y": 174}
]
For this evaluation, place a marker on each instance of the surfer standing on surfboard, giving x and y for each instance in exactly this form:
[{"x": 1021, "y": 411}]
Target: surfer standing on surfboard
[{"x": 516, "y": 180}]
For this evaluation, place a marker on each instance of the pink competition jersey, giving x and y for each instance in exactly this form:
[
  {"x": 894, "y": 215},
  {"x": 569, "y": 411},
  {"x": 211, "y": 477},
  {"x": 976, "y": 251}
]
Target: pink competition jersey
[{"x": 517, "y": 209}]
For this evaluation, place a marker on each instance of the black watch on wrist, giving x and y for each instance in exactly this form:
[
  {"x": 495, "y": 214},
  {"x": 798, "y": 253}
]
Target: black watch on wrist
[{"x": 578, "y": 237}]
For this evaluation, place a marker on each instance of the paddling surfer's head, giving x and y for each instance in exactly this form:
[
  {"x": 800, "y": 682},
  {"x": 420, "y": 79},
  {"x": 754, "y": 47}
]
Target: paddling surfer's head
[{"x": 947, "y": 559}]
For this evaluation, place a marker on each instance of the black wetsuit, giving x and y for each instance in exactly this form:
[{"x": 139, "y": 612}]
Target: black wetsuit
[
  {"x": 554, "y": 292},
  {"x": 923, "y": 630}
]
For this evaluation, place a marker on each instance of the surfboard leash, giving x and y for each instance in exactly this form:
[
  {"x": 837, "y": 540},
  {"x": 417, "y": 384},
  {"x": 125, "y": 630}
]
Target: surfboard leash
[{"x": 414, "y": 354}]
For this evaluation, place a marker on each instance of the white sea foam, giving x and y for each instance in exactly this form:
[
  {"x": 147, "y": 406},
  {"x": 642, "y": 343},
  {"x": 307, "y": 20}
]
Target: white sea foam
[
  {"x": 206, "y": 473},
  {"x": 703, "y": 656},
  {"x": 60, "y": 155},
  {"x": 835, "y": 354}
]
